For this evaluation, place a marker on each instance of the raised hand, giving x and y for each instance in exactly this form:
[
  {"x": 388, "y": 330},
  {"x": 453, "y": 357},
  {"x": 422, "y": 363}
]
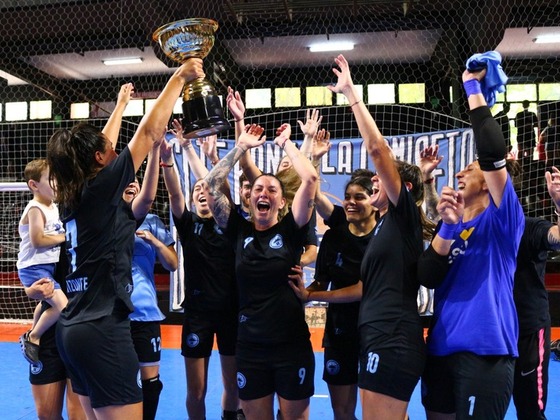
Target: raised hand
[
  {"x": 321, "y": 144},
  {"x": 553, "y": 185},
  {"x": 125, "y": 93},
  {"x": 344, "y": 83},
  {"x": 177, "y": 131},
  {"x": 166, "y": 152},
  {"x": 191, "y": 69},
  {"x": 235, "y": 104},
  {"x": 429, "y": 160},
  {"x": 312, "y": 123},
  {"x": 451, "y": 206},
  {"x": 252, "y": 136},
  {"x": 283, "y": 133},
  {"x": 208, "y": 146}
]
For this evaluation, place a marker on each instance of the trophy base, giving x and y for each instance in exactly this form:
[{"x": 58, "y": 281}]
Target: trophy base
[{"x": 203, "y": 116}]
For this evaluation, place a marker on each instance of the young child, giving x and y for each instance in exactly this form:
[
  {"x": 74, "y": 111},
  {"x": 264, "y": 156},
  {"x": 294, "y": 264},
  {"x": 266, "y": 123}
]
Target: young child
[{"x": 41, "y": 234}]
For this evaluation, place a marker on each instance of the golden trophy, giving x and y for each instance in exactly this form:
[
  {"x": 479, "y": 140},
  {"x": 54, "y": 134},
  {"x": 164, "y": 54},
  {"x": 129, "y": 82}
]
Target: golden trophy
[{"x": 202, "y": 109}]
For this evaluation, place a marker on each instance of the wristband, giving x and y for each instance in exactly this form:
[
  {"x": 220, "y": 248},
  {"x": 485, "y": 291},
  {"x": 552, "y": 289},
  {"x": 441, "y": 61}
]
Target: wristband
[
  {"x": 356, "y": 103},
  {"x": 472, "y": 87},
  {"x": 166, "y": 165},
  {"x": 429, "y": 181},
  {"x": 447, "y": 231},
  {"x": 281, "y": 145}
]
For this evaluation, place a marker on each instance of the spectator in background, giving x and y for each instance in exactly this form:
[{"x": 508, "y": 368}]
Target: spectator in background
[
  {"x": 503, "y": 121},
  {"x": 526, "y": 122},
  {"x": 550, "y": 136}
]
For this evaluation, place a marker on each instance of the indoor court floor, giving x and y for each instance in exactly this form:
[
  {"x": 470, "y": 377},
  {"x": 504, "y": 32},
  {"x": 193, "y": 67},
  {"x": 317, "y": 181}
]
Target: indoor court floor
[{"x": 17, "y": 402}]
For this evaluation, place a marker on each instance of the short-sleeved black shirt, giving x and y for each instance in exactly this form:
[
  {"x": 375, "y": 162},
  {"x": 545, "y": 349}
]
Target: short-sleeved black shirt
[
  {"x": 269, "y": 310},
  {"x": 99, "y": 245},
  {"x": 209, "y": 264}
]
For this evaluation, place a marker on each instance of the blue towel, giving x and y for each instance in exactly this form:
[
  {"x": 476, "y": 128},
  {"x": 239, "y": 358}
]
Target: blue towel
[{"x": 495, "y": 80}]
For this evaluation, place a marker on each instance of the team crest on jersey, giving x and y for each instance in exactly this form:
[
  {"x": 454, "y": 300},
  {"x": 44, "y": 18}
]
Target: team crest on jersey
[
  {"x": 332, "y": 367},
  {"x": 276, "y": 242},
  {"x": 139, "y": 379},
  {"x": 247, "y": 241},
  {"x": 36, "y": 368},
  {"x": 193, "y": 340},
  {"x": 241, "y": 381},
  {"x": 218, "y": 230}
]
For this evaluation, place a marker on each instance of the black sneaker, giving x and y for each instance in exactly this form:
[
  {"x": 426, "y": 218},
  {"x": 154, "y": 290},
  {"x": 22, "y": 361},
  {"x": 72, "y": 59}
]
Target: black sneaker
[{"x": 30, "y": 350}]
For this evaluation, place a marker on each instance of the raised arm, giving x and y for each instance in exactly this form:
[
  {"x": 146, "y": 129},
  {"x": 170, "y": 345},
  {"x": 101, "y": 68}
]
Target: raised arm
[
  {"x": 302, "y": 205},
  {"x": 218, "y": 202},
  {"x": 429, "y": 160},
  {"x": 309, "y": 129},
  {"x": 237, "y": 109},
  {"x": 195, "y": 164},
  {"x": 166, "y": 255},
  {"x": 553, "y": 186},
  {"x": 377, "y": 148},
  {"x": 488, "y": 137},
  {"x": 171, "y": 179},
  {"x": 154, "y": 123},
  {"x": 321, "y": 146},
  {"x": 142, "y": 204},
  {"x": 113, "y": 126}
]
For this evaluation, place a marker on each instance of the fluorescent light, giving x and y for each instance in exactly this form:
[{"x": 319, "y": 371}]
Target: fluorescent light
[
  {"x": 331, "y": 46},
  {"x": 121, "y": 61},
  {"x": 547, "y": 39}
]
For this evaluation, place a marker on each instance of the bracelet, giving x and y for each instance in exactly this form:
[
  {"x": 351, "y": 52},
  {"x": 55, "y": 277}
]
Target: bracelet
[
  {"x": 281, "y": 145},
  {"x": 240, "y": 119},
  {"x": 472, "y": 87},
  {"x": 166, "y": 165},
  {"x": 447, "y": 231},
  {"x": 429, "y": 181},
  {"x": 356, "y": 103}
]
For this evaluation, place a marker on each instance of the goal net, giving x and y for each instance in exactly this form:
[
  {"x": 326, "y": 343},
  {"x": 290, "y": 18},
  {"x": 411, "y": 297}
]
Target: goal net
[{"x": 406, "y": 62}]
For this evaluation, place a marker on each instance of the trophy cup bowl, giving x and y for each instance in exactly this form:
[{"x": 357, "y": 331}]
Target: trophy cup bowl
[{"x": 194, "y": 38}]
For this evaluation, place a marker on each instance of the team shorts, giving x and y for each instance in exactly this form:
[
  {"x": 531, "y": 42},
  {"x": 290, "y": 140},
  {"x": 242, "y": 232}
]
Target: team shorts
[
  {"x": 199, "y": 328},
  {"x": 50, "y": 367},
  {"x": 30, "y": 275},
  {"x": 101, "y": 360},
  {"x": 146, "y": 337},
  {"x": 468, "y": 385},
  {"x": 287, "y": 369},
  {"x": 341, "y": 364},
  {"x": 390, "y": 371}
]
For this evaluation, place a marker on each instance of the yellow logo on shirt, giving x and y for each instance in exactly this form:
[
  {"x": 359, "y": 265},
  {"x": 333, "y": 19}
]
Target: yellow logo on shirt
[{"x": 466, "y": 233}]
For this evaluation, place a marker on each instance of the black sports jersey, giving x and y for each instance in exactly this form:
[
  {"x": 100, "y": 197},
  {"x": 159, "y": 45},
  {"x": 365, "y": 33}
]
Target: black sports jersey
[
  {"x": 529, "y": 291},
  {"x": 99, "y": 245},
  {"x": 311, "y": 234},
  {"x": 390, "y": 287},
  {"x": 338, "y": 263},
  {"x": 209, "y": 264},
  {"x": 337, "y": 217},
  {"x": 269, "y": 312}
]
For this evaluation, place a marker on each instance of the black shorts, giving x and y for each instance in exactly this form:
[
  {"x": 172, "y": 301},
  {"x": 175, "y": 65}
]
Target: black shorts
[
  {"x": 530, "y": 385},
  {"x": 287, "y": 369},
  {"x": 394, "y": 372},
  {"x": 50, "y": 367},
  {"x": 197, "y": 338},
  {"x": 341, "y": 363},
  {"x": 146, "y": 337},
  {"x": 469, "y": 385},
  {"x": 101, "y": 360}
]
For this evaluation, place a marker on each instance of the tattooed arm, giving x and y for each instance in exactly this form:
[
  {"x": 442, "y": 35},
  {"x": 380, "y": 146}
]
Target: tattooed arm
[{"x": 218, "y": 202}]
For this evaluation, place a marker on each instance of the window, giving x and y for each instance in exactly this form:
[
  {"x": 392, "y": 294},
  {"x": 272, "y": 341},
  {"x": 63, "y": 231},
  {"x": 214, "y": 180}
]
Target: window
[
  {"x": 258, "y": 98},
  {"x": 40, "y": 110},
  {"x": 287, "y": 97},
  {"x": 518, "y": 93},
  {"x": 135, "y": 107},
  {"x": 16, "y": 111},
  {"x": 381, "y": 93},
  {"x": 318, "y": 95},
  {"x": 549, "y": 91},
  {"x": 341, "y": 99},
  {"x": 79, "y": 110},
  {"x": 412, "y": 93}
]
